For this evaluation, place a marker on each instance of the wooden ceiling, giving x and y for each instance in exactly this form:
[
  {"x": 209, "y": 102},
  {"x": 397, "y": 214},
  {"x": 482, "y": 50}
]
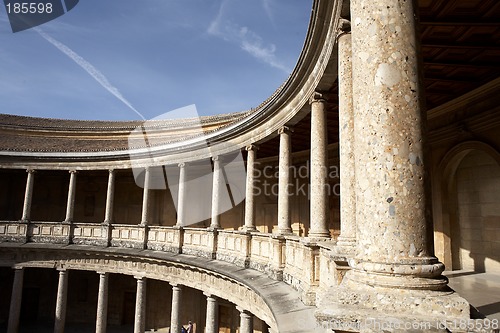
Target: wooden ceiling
[{"x": 460, "y": 47}]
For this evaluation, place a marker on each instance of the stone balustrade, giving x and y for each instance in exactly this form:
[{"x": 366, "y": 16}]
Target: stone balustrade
[{"x": 304, "y": 265}]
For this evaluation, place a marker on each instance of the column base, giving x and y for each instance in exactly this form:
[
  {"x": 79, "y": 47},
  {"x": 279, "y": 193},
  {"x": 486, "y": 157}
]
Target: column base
[
  {"x": 319, "y": 235},
  {"x": 248, "y": 229},
  {"x": 346, "y": 246},
  {"x": 357, "y": 307}
]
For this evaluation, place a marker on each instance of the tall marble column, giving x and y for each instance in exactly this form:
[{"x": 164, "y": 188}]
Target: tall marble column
[
  {"x": 28, "y": 195},
  {"x": 102, "y": 303},
  {"x": 246, "y": 321},
  {"x": 390, "y": 164},
  {"x": 145, "y": 197},
  {"x": 181, "y": 200},
  {"x": 250, "y": 184},
  {"x": 175, "y": 318},
  {"x": 347, "y": 239},
  {"x": 319, "y": 169},
  {"x": 216, "y": 188},
  {"x": 284, "y": 221},
  {"x": 61, "y": 302},
  {"x": 211, "y": 318},
  {"x": 140, "y": 305},
  {"x": 15, "y": 300},
  {"x": 110, "y": 195},
  {"x": 70, "y": 206}
]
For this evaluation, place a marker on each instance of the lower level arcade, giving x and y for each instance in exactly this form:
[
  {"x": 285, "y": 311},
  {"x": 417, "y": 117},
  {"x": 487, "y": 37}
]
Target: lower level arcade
[{"x": 52, "y": 300}]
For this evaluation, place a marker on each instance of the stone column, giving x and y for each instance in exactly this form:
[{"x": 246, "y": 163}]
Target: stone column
[
  {"x": 211, "y": 322},
  {"x": 249, "y": 198},
  {"x": 319, "y": 169},
  {"x": 102, "y": 303},
  {"x": 390, "y": 171},
  {"x": 284, "y": 221},
  {"x": 175, "y": 318},
  {"x": 145, "y": 197},
  {"x": 140, "y": 305},
  {"x": 28, "y": 195},
  {"x": 110, "y": 195},
  {"x": 246, "y": 321},
  {"x": 347, "y": 239},
  {"x": 216, "y": 187},
  {"x": 62, "y": 296},
  {"x": 181, "y": 200},
  {"x": 70, "y": 206},
  {"x": 15, "y": 300}
]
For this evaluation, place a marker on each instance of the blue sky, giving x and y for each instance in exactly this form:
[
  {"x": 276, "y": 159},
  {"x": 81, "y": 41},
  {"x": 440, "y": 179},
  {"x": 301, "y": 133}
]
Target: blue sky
[{"x": 128, "y": 59}]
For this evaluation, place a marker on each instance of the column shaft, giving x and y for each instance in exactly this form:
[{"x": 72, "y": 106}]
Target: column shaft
[
  {"x": 140, "y": 306},
  {"x": 145, "y": 197},
  {"x": 390, "y": 172},
  {"x": 110, "y": 195},
  {"x": 211, "y": 320},
  {"x": 347, "y": 238},
  {"x": 28, "y": 195},
  {"x": 175, "y": 318},
  {"x": 284, "y": 221},
  {"x": 216, "y": 188},
  {"x": 62, "y": 296},
  {"x": 319, "y": 169},
  {"x": 181, "y": 200},
  {"x": 102, "y": 303},
  {"x": 15, "y": 301},
  {"x": 70, "y": 206},
  {"x": 246, "y": 322},
  {"x": 249, "y": 198}
]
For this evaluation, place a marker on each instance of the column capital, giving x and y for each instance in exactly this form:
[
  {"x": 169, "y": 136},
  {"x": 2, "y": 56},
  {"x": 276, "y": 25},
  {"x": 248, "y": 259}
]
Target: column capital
[
  {"x": 102, "y": 273},
  {"x": 30, "y": 170},
  {"x": 216, "y": 158},
  {"x": 285, "y": 129},
  {"x": 317, "y": 97},
  {"x": 252, "y": 147},
  {"x": 344, "y": 26},
  {"x": 181, "y": 165},
  {"x": 139, "y": 278},
  {"x": 73, "y": 171},
  {"x": 111, "y": 170},
  {"x": 176, "y": 285}
]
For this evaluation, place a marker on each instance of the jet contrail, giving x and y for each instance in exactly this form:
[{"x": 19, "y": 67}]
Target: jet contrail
[{"x": 94, "y": 72}]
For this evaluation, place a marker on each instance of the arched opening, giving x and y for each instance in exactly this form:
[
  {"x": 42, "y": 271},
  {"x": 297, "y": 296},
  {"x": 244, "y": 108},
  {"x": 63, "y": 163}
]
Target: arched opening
[{"x": 467, "y": 216}]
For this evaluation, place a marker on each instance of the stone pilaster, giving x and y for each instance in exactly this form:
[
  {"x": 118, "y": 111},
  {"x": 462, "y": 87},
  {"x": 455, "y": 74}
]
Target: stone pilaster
[
  {"x": 175, "y": 318},
  {"x": 28, "y": 195},
  {"x": 249, "y": 198},
  {"x": 140, "y": 305},
  {"x": 211, "y": 318},
  {"x": 284, "y": 220},
  {"x": 145, "y": 197},
  {"x": 110, "y": 195},
  {"x": 70, "y": 206},
  {"x": 61, "y": 302},
  {"x": 319, "y": 169},
  {"x": 347, "y": 239},
  {"x": 15, "y": 301},
  {"x": 246, "y": 321},
  {"x": 181, "y": 200},
  {"x": 216, "y": 188},
  {"x": 394, "y": 276},
  {"x": 102, "y": 303}
]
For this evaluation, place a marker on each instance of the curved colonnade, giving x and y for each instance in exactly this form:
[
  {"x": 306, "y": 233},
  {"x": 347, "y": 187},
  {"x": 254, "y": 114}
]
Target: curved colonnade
[{"x": 383, "y": 254}]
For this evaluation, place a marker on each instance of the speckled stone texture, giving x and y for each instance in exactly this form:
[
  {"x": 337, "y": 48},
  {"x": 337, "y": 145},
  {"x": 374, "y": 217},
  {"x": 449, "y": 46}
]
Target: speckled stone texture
[
  {"x": 347, "y": 240},
  {"x": 390, "y": 191},
  {"x": 394, "y": 273}
]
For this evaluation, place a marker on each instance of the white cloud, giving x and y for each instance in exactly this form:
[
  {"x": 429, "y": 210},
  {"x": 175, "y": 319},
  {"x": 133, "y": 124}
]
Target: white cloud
[
  {"x": 247, "y": 40},
  {"x": 267, "y": 8}
]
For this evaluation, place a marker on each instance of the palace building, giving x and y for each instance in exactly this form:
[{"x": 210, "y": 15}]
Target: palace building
[{"x": 335, "y": 205}]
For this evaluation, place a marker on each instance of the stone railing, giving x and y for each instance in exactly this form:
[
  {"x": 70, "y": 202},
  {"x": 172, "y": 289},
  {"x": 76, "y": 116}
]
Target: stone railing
[{"x": 306, "y": 265}]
